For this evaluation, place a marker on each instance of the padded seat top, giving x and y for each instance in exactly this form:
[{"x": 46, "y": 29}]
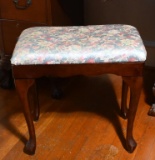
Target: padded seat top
[{"x": 79, "y": 44}]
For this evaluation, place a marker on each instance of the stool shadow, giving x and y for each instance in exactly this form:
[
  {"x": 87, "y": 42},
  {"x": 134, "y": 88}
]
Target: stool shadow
[
  {"x": 85, "y": 94},
  {"x": 91, "y": 94},
  {"x": 10, "y": 107},
  {"x": 13, "y": 129}
]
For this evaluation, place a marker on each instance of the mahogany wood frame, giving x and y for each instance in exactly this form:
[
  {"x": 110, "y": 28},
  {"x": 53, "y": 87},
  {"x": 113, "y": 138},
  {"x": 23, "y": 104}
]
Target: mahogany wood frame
[{"x": 25, "y": 75}]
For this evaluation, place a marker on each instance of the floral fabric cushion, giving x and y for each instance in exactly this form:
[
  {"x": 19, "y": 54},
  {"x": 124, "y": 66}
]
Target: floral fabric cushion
[{"x": 76, "y": 45}]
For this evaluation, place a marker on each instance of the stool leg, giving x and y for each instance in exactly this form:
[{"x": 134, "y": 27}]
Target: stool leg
[
  {"x": 124, "y": 109},
  {"x": 135, "y": 84},
  {"x": 23, "y": 87},
  {"x": 33, "y": 101}
]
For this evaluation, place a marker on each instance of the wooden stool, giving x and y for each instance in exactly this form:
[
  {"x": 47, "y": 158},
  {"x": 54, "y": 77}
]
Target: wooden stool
[{"x": 84, "y": 50}]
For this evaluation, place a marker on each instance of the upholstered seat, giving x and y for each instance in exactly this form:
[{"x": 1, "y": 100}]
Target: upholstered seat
[
  {"x": 84, "y": 50},
  {"x": 76, "y": 45}
]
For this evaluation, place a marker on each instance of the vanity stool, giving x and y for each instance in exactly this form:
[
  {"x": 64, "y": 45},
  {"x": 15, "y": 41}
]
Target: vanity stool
[{"x": 78, "y": 50}]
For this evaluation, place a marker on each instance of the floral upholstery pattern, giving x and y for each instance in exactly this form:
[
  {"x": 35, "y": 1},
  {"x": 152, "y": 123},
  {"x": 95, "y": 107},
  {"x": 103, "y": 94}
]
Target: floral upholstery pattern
[{"x": 79, "y": 44}]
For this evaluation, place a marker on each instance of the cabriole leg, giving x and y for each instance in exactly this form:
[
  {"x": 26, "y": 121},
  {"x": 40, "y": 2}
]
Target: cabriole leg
[
  {"x": 34, "y": 102},
  {"x": 124, "y": 109},
  {"x": 23, "y": 87},
  {"x": 135, "y": 84}
]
